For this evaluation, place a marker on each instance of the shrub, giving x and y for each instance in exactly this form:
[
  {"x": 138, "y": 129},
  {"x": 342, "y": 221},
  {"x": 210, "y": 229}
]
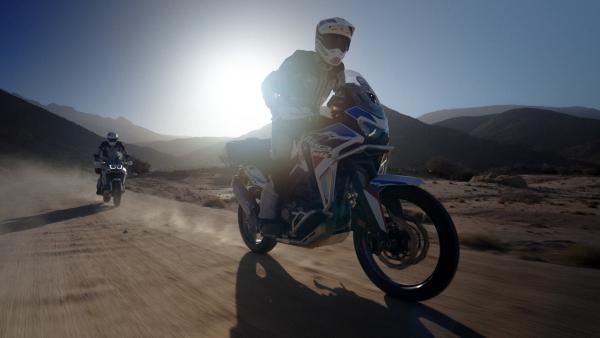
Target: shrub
[
  {"x": 483, "y": 242},
  {"x": 139, "y": 166},
  {"x": 521, "y": 197},
  {"x": 214, "y": 202},
  {"x": 508, "y": 180},
  {"x": 444, "y": 168},
  {"x": 582, "y": 255}
]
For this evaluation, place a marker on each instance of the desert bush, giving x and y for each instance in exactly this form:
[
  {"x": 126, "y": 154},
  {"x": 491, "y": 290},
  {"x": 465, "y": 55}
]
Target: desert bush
[
  {"x": 214, "y": 202},
  {"x": 444, "y": 168},
  {"x": 591, "y": 171},
  {"x": 508, "y": 180},
  {"x": 139, "y": 166},
  {"x": 582, "y": 255},
  {"x": 549, "y": 169},
  {"x": 520, "y": 197},
  {"x": 222, "y": 180},
  {"x": 531, "y": 257},
  {"x": 483, "y": 242}
]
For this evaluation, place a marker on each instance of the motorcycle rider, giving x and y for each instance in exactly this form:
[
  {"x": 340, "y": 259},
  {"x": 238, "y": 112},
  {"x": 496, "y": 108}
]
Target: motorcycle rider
[
  {"x": 108, "y": 149},
  {"x": 294, "y": 93}
]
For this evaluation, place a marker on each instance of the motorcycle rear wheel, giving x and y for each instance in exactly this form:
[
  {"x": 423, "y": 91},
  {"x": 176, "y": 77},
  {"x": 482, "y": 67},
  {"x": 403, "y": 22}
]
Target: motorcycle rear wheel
[{"x": 447, "y": 261}]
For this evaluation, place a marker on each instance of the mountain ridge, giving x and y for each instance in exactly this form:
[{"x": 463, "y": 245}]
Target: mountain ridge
[
  {"x": 445, "y": 114},
  {"x": 536, "y": 129}
]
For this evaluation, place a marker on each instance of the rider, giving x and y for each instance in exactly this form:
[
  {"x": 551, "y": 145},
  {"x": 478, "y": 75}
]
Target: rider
[
  {"x": 108, "y": 149},
  {"x": 294, "y": 93}
]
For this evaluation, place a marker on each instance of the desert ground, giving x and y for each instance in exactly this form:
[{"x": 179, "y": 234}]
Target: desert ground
[{"x": 169, "y": 262}]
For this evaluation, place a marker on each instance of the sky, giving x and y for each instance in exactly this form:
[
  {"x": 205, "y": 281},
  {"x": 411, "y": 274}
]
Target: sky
[{"x": 194, "y": 68}]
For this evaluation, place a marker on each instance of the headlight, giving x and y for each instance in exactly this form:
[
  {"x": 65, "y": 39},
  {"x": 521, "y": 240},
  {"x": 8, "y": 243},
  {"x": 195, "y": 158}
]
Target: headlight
[
  {"x": 112, "y": 166},
  {"x": 372, "y": 131}
]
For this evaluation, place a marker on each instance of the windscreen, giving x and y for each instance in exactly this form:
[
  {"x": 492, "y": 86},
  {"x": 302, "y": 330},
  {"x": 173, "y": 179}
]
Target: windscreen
[{"x": 364, "y": 94}]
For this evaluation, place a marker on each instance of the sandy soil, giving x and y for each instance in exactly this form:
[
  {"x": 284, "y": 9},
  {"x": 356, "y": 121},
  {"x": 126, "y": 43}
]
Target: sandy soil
[
  {"x": 71, "y": 266},
  {"x": 541, "y": 222}
]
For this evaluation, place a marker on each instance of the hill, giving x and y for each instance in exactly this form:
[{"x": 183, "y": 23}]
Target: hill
[
  {"x": 184, "y": 146},
  {"x": 33, "y": 131},
  {"x": 445, "y": 114},
  {"x": 100, "y": 125},
  {"x": 29, "y": 131},
  {"x": 537, "y": 129},
  {"x": 416, "y": 142}
]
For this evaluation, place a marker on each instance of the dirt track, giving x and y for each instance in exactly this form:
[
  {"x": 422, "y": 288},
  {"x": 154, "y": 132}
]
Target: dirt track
[{"x": 73, "y": 267}]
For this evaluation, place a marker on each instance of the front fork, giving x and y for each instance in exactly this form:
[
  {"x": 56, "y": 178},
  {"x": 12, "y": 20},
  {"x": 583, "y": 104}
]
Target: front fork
[{"x": 368, "y": 213}]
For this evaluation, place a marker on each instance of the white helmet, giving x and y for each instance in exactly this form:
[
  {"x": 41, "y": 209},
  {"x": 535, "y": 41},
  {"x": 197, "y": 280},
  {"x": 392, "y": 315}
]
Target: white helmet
[
  {"x": 332, "y": 40},
  {"x": 112, "y": 137}
]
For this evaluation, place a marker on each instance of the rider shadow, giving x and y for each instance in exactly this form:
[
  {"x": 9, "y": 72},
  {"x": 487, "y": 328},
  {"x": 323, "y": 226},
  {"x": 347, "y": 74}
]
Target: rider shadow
[
  {"x": 35, "y": 221},
  {"x": 270, "y": 303}
]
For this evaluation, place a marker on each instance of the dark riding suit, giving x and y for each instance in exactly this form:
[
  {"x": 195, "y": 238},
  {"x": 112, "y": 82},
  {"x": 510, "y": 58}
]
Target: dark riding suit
[
  {"x": 105, "y": 152},
  {"x": 293, "y": 93}
]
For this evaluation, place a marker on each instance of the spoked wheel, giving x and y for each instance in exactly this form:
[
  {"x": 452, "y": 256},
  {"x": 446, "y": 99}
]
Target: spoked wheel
[
  {"x": 418, "y": 256},
  {"x": 251, "y": 236}
]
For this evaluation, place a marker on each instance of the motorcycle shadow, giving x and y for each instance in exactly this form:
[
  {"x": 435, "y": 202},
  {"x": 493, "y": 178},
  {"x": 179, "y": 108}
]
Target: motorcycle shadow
[
  {"x": 271, "y": 303},
  {"x": 35, "y": 221}
]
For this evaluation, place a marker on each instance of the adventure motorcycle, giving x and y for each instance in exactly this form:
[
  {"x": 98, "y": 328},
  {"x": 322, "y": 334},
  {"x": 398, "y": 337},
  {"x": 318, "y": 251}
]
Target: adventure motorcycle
[
  {"x": 112, "y": 179},
  {"x": 404, "y": 238}
]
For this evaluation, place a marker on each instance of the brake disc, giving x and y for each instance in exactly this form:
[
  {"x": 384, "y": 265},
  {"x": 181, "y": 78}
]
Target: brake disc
[{"x": 414, "y": 249}]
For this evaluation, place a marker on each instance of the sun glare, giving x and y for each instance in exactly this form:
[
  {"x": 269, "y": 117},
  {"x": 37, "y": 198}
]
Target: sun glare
[{"x": 223, "y": 95}]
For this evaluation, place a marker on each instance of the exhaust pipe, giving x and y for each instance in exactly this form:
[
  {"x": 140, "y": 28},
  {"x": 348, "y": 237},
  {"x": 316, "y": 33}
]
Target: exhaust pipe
[{"x": 245, "y": 200}]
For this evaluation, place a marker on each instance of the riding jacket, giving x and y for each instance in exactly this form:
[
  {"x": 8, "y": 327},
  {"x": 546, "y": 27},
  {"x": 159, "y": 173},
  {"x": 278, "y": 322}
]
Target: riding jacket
[
  {"x": 106, "y": 151},
  {"x": 300, "y": 86}
]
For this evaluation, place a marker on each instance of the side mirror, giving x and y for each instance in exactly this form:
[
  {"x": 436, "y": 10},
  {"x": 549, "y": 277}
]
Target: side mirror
[{"x": 129, "y": 162}]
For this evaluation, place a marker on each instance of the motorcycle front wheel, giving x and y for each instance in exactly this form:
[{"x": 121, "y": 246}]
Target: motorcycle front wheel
[
  {"x": 117, "y": 197},
  {"x": 418, "y": 257},
  {"x": 252, "y": 237}
]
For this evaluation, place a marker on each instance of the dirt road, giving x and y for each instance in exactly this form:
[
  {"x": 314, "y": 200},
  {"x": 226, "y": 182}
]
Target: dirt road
[{"x": 71, "y": 266}]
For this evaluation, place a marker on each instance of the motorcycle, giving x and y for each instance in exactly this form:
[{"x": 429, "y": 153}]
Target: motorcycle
[
  {"x": 112, "y": 179},
  {"x": 404, "y": 238}
]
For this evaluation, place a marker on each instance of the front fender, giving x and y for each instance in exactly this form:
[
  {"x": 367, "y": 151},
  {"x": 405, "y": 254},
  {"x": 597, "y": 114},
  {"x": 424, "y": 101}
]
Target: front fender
[
  {"x": 382, "y": 181},
  {"x": 372, "y": 194}
]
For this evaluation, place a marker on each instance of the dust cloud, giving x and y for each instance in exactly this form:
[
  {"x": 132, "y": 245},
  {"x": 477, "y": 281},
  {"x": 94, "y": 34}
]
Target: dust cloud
[{"x": 35, "y": 188}]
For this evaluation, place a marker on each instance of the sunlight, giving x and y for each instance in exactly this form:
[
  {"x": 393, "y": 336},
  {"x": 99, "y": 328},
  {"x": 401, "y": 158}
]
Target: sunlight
[
  {"x": 223, "y": 94},
  {"x": 234, "y": 91}
]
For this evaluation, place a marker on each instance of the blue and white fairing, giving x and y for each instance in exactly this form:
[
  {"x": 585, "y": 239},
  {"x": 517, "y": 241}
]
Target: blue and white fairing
[{"x": 326, "y": 146}]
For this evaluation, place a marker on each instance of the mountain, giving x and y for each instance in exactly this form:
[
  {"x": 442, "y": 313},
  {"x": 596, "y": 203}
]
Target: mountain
[
  {"x": 263, "y": 132},
  {"x": 128, "y": 131},
  {"x": 193, "y": 152},
  {"x": 198, "y": 152},
  {"x": 29, "y": 131},
  {"x": 184, "y": 146},
  {"x": 416, "y": 142},
  {"x": 537, "y": 129},
  {"x": 445, "y": 114}
]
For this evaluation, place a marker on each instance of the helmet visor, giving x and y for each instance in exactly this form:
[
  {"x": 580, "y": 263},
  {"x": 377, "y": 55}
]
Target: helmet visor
[{"x": 335, "y": 41}]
